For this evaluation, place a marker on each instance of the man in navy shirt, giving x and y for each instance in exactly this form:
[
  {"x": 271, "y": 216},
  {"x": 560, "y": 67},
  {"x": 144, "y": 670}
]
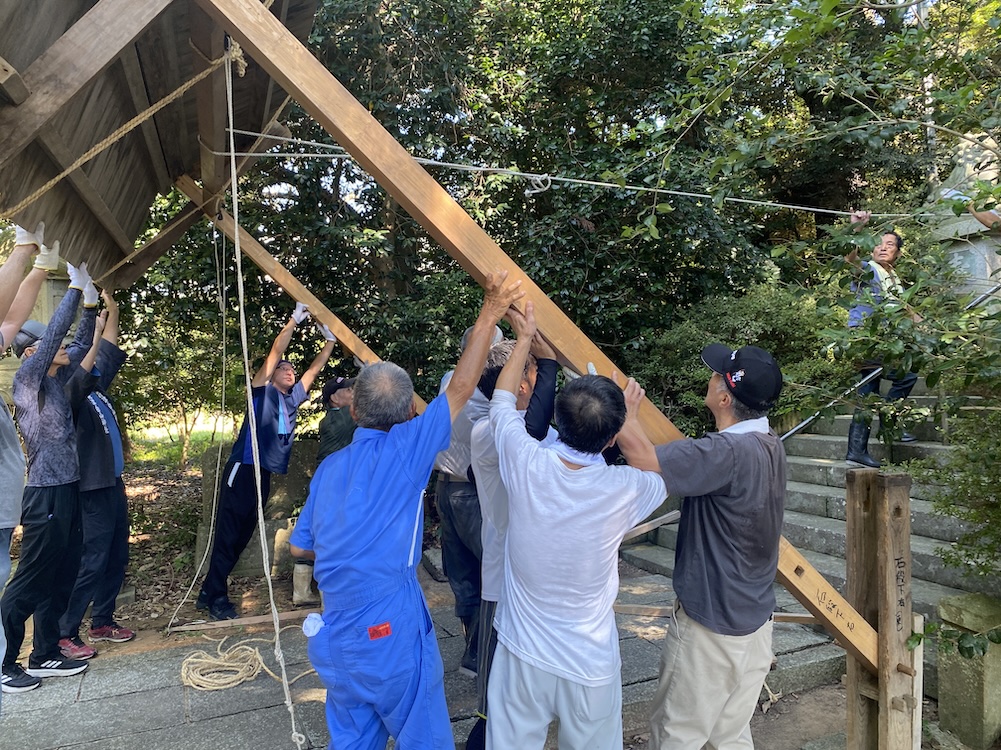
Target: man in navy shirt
[
  {"x": 277, "y": 396},
  {"x": 376, "y": 650}
]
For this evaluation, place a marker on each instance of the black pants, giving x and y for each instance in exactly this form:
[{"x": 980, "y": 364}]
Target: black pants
[
  {"x": 105, "y": 556},
  {"x": 46, "y": 570},
  {"x": 236, "y": 521}
]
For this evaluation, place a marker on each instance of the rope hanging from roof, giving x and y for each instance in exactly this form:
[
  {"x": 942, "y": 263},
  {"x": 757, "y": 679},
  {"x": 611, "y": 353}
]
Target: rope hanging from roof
[{"x": 233, "y": 53}]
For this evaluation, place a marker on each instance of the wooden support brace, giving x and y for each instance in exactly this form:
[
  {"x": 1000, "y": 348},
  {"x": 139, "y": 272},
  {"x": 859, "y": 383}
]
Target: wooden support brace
[
  {"x": 295, "y": 288},
  {"x": 299, "y": 614}
]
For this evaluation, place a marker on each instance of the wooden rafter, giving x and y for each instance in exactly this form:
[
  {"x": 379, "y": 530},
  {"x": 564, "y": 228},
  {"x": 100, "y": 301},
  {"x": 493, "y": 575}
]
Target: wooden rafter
[
  {"x": 132, "y": 69},
  {"x": 72, "y": 62},
  {"x": 54, "y": 147},
  {"x": 12, "y": 86},
  {"x": 210, "y": 95}
]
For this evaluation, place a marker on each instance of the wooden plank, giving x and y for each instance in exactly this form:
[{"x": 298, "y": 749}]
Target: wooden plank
[
  {"x": 63, "y": 70},
  {"x": 820, "y": 598},
  {"x": 56, "y": 150},
  {"x": 12, "y": 86},
  {"x": 239, "y": 622},
  {"x": 283, "y": 18},
  {"x": 129, "y": 60},
  {"x": 648, "y": 610},
  {"x": 207, "y": 39},
  {"x": 897, "y": 709},
  {"x": 862, "y": 726},
  {"x": 289, "y": 62},
  {"x": 292, "y": 286},
  {"x": 673, "y": 517}
]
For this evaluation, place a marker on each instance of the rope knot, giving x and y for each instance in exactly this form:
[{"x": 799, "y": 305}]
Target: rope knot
[{"x": 540, "y": 183}]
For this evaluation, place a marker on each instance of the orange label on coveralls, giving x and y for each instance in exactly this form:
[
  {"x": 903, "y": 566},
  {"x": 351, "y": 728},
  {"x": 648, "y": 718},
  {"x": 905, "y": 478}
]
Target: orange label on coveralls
[{"x": 379, "y": 631}]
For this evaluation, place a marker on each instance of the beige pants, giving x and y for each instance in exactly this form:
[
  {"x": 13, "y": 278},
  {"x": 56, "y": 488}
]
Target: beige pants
[
  {"x": 709, "y": 686},
  {"x": 524, "y": 700}
]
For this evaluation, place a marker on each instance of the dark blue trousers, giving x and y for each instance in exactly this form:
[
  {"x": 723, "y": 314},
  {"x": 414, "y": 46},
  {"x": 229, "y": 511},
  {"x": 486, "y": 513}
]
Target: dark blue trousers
[
  {"x": 236, "y": 521},
  {"x": 105, "y": 556}
]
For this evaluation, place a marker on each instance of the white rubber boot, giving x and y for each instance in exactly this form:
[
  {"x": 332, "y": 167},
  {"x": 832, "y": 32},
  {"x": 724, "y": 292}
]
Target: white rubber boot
[{"x": 302, "y": 586}]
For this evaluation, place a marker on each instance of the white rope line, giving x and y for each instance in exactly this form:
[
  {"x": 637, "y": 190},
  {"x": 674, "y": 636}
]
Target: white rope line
[
  {"x": 539, "y": 182},
  {"x": 298, "y": 737},
  {"x": 220, "y": 271}
]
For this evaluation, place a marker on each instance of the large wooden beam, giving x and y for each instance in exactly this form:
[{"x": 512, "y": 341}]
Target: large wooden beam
[
  {"x": 76, "y": 58},
  {"x": 254, "y": 250},
  {"x": 277, "y": 50}
]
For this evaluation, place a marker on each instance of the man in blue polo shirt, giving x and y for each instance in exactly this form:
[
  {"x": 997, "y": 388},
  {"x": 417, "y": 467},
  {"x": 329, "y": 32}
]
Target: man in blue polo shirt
[
  {"x": 277, "y": 396},
  {"x": 375, "y": 649}
]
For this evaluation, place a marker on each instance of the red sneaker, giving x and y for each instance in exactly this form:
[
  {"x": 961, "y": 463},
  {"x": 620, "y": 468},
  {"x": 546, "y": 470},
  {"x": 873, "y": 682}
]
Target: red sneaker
[
  {"x": 113, "y": 632},
  {"x": 74, "y": 648}
]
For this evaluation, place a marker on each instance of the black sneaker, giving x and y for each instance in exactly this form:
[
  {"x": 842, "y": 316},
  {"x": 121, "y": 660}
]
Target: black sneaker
[
  {"x": 202, "y": 602},
  {"x": 222, "y": 609},
  {"x": 16, "y": 680},
  {"x": 56, "y": 667}
]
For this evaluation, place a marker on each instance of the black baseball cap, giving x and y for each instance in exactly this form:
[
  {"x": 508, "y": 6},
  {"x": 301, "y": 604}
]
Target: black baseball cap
[
  {"x": 27, "y": 337},
  {"x": 332, "y": 386},
  {"x": 751, "y": 374}
]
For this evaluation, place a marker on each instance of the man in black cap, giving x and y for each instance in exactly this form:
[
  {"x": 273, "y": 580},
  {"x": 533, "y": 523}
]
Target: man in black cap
[
  {"x": 337, "y": 427},
  {"x": 719, "y": 648},
  {"x": 336, "y": 430}
]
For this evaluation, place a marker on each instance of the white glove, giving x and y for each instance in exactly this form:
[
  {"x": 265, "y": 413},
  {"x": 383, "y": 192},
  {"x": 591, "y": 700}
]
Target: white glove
[
  {"x": 24, "y": 237},
  {"x": 952, "y": 194},
  {"x": 591, "y": 369},
  {"x": 573, "y": 374},
  {"x": 90, "y": 295},
  {"x": 300, "y": 313},
  {"x": 325, "y": 331},
  {"x": 79, "y": 278},
  {"x": 48, "y": 257}
]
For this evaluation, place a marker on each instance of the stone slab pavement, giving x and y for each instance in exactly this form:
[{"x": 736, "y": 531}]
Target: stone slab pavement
[{"x": 138, "y": 700}]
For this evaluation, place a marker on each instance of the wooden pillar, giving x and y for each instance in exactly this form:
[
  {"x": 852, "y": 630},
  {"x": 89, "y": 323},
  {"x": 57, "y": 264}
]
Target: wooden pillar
[
  {"x": 897, "y": 709},
  {"x": 882, "y": 710},
  {"x": 862, "y": 727}
]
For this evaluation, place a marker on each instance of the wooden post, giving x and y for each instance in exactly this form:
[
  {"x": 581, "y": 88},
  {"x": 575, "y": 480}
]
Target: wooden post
[
  {"x": 897, "y": 709},
  {"x": 862, "y": 727},
  {"x": 918, "y": 684}
]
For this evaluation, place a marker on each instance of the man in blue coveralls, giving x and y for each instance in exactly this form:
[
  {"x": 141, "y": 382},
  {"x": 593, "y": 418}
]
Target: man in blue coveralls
[
  {"x": 376, "y": 651},
  {"x": 277, "y": 396}
]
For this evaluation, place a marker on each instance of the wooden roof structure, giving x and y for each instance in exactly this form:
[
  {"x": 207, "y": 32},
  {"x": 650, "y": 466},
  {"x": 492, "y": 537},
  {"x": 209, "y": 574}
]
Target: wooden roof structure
[
  {"x": 69, "y": 80},
  {"x": 72, "y": 71}
]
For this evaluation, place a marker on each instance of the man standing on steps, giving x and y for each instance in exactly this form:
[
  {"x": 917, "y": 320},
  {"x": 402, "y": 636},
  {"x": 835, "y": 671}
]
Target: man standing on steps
[
  {"x": 718, "y": 650},
  {"x": 882, "y": 286},
  {"x": 277, "y": 396}
]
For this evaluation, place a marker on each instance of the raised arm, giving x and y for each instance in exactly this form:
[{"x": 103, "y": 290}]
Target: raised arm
[
  {"x": 514, "y": 369},
  {"x": 498, "y": 298},
  {"x": 111, "y": 326},
  {"x": 18, "y": 292},
  {"x": 858, "y": 220},
  {"x": 632, "y": 440},
  {"x": 263, "y": 376},
  {"x": 541, "y": 406},
  {"x": 309, "y": 377}
]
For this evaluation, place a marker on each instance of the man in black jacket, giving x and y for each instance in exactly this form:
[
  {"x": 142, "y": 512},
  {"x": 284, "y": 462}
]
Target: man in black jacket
[{"x": 103, "y": 504}]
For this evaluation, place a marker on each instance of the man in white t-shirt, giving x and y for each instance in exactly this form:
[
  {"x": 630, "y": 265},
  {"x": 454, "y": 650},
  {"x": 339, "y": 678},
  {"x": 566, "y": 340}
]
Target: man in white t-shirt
[{"x": 558, "y": 650}]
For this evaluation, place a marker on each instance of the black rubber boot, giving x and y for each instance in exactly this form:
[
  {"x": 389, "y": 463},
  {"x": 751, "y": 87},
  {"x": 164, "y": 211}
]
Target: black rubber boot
[{"x": 858, "y": 445}]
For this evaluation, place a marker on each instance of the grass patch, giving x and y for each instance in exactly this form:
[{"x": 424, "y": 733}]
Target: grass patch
[{"x": 159, "y": 448}]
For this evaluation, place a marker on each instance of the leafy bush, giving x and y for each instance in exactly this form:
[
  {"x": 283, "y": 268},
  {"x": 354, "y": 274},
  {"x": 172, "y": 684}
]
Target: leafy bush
[{"x": 667, "y": 363}]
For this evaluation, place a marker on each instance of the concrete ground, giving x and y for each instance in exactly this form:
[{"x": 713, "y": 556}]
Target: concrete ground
[{"x": 133, "y": 695}]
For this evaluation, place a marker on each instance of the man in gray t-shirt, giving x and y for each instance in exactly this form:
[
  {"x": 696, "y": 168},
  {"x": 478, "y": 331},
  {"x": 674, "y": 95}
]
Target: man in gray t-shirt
[{"x": 719, "y": 648}]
